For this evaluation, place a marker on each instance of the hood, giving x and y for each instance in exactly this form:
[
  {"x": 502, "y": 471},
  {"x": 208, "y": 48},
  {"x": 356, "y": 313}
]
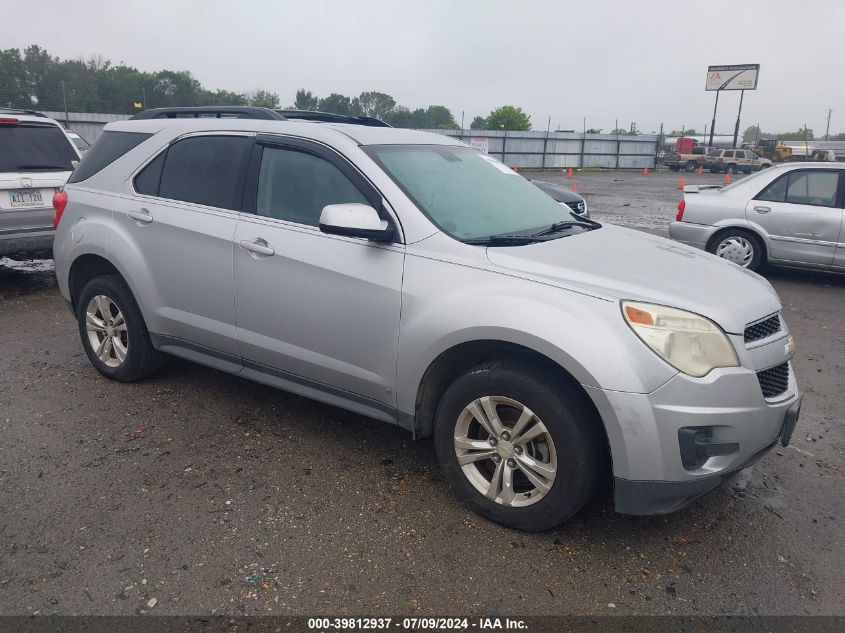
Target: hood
[
  {"x": 618, "y": 263},
  {"x": 558, "y": 192}
]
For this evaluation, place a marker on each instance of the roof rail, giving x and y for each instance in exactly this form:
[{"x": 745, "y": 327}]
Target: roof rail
[
  {"x": 214, "y": 112},
  {"x": 17, "y": 111},
  {"x": 330, "y": 117}
]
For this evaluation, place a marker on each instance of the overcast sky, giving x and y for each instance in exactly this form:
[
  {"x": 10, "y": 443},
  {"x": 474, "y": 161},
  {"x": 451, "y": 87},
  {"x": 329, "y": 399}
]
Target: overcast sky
[{"x": 642, "y": 61}]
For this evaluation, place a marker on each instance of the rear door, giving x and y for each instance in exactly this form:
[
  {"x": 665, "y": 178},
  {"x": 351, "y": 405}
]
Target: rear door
[
  {"x": 802, "y": 213},
  {"x": 36, "y": 159},
  {"x": 317, "y": 311},
  {"x": 178, "y": 229}
]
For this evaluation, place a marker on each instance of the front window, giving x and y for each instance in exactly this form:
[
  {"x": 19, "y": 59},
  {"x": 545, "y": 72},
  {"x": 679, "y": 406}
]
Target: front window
[{"x": 468, "y": 194}]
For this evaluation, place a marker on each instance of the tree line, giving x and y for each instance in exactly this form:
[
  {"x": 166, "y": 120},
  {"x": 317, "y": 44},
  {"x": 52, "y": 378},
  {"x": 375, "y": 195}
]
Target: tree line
[{"x": 32, "y": 78}]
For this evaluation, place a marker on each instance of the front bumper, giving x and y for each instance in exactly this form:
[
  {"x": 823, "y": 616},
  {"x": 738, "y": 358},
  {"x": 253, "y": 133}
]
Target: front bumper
[
  {"x": 662, "y": 497},
  {"x": 696, "y": 235},
  {"x": 723, "y": 419}
]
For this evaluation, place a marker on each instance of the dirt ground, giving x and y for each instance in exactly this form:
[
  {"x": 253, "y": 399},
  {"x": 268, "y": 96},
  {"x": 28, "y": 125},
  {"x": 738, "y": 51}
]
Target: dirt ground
[{"x": 212, "y": 494}]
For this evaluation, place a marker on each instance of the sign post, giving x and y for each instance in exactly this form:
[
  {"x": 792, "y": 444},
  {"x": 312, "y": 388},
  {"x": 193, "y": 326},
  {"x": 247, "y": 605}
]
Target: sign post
[{"x": 737, "y": 77}]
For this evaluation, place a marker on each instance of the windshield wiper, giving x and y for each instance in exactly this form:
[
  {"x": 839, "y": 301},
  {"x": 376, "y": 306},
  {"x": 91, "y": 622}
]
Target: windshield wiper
[
  {"x": 505, "y": 240},
  {"x": 558, "y": 227},
  {"x": 62, "y": 167}
]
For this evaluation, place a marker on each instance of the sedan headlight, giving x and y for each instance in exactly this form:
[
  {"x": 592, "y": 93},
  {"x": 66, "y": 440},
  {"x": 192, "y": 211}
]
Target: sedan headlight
[{"x": 687, "y": 341}]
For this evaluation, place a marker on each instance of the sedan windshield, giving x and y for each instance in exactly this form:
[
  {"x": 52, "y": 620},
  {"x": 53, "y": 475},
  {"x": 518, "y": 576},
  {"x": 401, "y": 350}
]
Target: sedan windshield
[{"x": 472, "y": 196}]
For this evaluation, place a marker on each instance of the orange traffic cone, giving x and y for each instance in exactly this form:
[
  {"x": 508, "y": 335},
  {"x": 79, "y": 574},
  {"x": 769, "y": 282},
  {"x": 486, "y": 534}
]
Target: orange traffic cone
[
  {"x": 681, "y": 183},
  {"x": 727, "y": 178},
  {"x": 700, "y": 170},
  {"x": 569, "y": 173},
  {"x": 574, "y": 187},
  {"x": 645, "y": 171}
]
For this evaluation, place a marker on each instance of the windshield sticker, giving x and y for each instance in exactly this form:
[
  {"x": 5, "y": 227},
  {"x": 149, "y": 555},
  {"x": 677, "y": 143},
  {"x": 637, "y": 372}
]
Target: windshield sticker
[{"x": 500, "y": 166}]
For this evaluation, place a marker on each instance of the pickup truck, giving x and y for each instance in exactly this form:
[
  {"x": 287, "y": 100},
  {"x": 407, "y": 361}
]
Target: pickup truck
[{"x": 689, "y": 162}]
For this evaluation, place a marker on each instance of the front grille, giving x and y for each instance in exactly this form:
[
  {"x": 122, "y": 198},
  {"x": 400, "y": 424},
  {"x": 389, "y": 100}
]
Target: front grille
[
  {"x": 577, "y": 207},
  {"x": 774, "y": 381},
  {"x": 762, "y": 329}
]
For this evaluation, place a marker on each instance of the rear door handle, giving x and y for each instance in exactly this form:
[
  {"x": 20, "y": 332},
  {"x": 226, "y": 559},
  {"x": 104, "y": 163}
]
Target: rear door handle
[
  {"x": 762, "y": 209},
  {"x": 257, "y": 246},
  {"x": 142, "y": 215}
]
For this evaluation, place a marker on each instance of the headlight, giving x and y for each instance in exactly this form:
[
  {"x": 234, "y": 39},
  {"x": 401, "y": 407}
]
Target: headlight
[{"x": 687, "y": 341}]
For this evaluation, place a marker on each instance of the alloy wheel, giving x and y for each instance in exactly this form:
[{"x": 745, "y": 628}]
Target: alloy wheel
[
  {"x": 106, "y": 329},
  {"x": 505, "y": 451}
]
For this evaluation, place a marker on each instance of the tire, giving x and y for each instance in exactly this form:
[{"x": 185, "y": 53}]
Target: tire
[
  {"x": 691, "y": 165},
  {"x": 107, "y": 310},
  {"x": 730, "y": 169},
  {"x": 731, "y": 245},
  {"x": 568, "y": 440}
]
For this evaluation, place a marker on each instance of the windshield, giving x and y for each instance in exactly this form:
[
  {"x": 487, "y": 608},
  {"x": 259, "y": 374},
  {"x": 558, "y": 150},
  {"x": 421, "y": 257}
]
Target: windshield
[
  {"x": 466, "y": 193},
  {"x": 35, "y": 147}
]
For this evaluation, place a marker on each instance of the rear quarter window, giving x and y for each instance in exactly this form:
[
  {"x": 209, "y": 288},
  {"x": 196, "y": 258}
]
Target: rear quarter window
[{"x": 107, "y": 149}]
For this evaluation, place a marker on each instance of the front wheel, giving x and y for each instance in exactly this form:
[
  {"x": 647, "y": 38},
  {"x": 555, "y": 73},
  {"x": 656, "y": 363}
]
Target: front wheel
[
  {"x": 517, "y": 447},
  {"x": 730, "y": 169},
  {"x": 113, "y": 331}
]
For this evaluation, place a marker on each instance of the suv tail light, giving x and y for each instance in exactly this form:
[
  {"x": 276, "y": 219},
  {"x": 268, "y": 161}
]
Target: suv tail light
[
  {"x": 9, "y": 120},
  {"x": 59, "y": 204},
  {"x": 681, "y": 206}
]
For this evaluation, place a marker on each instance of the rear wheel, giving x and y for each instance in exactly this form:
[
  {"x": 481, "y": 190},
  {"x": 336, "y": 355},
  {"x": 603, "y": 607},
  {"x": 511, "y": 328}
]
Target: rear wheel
[
  {"x": 743, "y": 248},
  {"x": 691, "y": 165},
  {"x": 517, "y": 447},
  {"x": 113, "y": 331}
]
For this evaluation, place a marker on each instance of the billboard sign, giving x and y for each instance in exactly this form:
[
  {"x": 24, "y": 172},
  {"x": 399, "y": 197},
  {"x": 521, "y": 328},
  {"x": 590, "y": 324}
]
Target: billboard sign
[
  {"x": 739, "y": 77},
  {"x": 482, "y": 144}
]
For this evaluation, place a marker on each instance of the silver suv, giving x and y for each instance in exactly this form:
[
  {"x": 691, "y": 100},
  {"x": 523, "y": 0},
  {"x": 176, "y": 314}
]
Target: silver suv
[
  {"x": 410, "y": 278},
  {"x": 36, "y": 158}
]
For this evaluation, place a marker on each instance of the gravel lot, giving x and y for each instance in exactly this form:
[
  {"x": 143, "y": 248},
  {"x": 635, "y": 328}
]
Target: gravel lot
[{"x": 211, "y": 494}]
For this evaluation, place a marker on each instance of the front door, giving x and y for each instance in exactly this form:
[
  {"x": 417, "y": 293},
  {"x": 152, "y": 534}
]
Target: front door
[
  {"x": 802, "y": 213},
  {"x": 321, "y": 311}
]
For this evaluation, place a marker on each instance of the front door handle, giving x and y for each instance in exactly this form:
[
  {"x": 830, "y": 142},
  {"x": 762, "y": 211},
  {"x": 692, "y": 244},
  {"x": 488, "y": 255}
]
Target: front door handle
[
  {"x": 142, "y": 215},
  {"x": 257, "y": 246},
  {"x": 762, "y": 209}
]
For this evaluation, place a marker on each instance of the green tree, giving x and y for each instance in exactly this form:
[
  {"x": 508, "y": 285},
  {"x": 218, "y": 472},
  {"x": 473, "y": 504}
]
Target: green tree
[
  {"x": 508, "y": 118},
  {"x": 336, "y": 104},
  {"x": 619, "y": 131},
  {"x": 799, "y": 135},
  {"x": 262, "y": 99},
  {"x": 14, "y": 91},
  {"x": 440, "y": 118},
  {"x": 305, "y": 100},
  {"x": 594, "y": 130},
  {"x": 838, "y": 137},
  {"x": 685, "y": 132},
  {"x": 376, "y": 104},
  {"x": 752, "y": 133},
  {"x": 400, "y": 116},
  {"x": 478, "y": 123}
]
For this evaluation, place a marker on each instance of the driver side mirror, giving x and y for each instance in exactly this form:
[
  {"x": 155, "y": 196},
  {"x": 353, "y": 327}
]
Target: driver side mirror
[{"x": 355, "y": 220}]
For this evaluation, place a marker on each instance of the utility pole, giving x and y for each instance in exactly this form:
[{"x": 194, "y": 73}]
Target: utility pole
[
  {"x": 64, "y": 98},
  {"x": 827, "y": 129},
  {"x": 144, "y": 100}
]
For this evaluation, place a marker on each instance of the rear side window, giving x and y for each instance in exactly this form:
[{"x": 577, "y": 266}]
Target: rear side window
[
  {"x": 295, "y": 186},
  {"x": 205, "y": 170},
  {"x": 107, "y": 149},
  {"x": 817, "y": 188},
  {"x": 148, "y": 180},
  {"x": 35, "y": 147},
  {"x": 729, "y": 154}
]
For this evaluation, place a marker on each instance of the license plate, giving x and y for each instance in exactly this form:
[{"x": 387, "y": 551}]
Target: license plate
[{"x": 26, "y": 198}]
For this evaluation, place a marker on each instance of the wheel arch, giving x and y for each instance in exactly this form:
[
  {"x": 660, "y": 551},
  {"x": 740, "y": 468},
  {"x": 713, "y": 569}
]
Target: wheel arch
[
  {"x": 460, "y": 358},
  {"x": 85, "y": 268}
]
